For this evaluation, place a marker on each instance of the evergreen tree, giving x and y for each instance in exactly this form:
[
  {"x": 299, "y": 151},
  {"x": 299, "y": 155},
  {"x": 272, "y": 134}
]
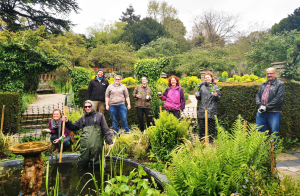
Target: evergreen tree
[{"x": 129, "y": 17}]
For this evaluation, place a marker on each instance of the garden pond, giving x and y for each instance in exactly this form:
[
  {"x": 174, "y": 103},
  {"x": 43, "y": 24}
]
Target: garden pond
[{"x": 70, "y": 182}]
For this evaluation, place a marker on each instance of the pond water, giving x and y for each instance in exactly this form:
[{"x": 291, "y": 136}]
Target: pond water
[{"x": 69, "y": 177}]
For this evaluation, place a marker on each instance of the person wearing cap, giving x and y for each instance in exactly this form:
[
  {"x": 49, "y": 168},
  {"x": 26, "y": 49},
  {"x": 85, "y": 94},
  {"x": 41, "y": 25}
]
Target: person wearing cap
[
  {"x": 94, "y": 130},
  {"x": 96, "y": 91}
]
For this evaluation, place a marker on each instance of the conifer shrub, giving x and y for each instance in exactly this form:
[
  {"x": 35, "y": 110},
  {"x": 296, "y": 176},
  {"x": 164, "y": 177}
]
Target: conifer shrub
[{"x": 167, "y": 133}]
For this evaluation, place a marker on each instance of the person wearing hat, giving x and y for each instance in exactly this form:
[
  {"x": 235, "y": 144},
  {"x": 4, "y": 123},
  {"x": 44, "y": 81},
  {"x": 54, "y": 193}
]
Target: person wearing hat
[
  {"x": 94, "y": 130},
  {"x": 96, "y": 91}
]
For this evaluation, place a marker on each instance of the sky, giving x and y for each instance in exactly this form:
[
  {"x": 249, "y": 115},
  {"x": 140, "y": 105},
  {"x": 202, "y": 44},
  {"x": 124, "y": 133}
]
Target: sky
[{"x": 252, "y": 13}]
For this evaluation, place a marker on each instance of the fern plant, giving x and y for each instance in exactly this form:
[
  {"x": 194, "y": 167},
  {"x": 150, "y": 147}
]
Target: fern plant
[
  {"x": 167, "y": 134},
  {"x": 216, "y": 169}
]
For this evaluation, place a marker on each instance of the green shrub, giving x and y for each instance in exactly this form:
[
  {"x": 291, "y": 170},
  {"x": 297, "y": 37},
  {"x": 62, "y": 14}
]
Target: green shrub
[
  {"x": 129, "y": 81},
  {"x": 216, "y": 169},
  {"x": 190, "y": 82},
  {"x": 30, "y": 138},
  {"x": 186, "y": 96},
  {"x": 167, "y": 134},
  {"x": 80, "y": 78},
  {"x": 230, "y": 80},
  {"x": 12, "y": 111},
  {"x": 111, "y": 80},
  {"x": 162, "y": 81},
  {"x": 225, "y": 74},
  {"x": 4, "y": 143}
]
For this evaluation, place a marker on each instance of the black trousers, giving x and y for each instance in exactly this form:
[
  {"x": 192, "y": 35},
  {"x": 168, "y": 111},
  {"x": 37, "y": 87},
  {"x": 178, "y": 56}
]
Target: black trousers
[
  {"x": 211, "y": 127},
  {"x": 140, "y": 113}
]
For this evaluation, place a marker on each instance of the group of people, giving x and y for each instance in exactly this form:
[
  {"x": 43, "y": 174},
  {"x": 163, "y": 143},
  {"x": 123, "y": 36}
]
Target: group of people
[{"x": 101, "y": 96}]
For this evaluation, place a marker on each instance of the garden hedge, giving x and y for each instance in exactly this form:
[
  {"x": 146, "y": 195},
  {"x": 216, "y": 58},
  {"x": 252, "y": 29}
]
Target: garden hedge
[
  {"x": 240, "y": 99},
  {"x": 132, "y": 116},
  {"x": 12, "y": 111}
]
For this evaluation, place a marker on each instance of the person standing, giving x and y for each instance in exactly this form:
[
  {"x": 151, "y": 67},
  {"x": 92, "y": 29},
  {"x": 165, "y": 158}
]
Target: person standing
[
  {"x": 96, "y": 91},
  {"x": 116, "y": 94},
  {"x": 209, "y": 101},
  {"x": 269, "y": 100},
  {"x": 173, "y": 97},
  {"x": 94, "y": 129},
  {"x": 142, "y": 94}
]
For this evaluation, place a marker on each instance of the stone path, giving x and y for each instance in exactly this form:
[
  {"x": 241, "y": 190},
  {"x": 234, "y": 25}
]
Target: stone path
[
  {"x": 289, "y": 163},
  {"x": 45, "y": 104},
  {"x": 191, "y": 108}
]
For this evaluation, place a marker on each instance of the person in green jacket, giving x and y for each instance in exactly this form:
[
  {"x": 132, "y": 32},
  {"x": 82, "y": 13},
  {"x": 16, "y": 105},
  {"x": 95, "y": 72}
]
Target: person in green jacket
[{"x": 94, "y": 129}]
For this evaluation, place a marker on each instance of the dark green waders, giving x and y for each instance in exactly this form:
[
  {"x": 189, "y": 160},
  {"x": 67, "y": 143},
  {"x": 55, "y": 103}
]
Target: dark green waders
[{"x": 91, "y": 144}]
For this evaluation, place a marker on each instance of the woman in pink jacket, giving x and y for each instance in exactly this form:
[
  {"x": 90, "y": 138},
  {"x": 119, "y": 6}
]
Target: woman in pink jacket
[{"x": 173, "y": 97}]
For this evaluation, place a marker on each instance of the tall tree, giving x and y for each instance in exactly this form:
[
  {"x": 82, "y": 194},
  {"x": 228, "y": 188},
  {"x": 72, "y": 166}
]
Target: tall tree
[
  {"x": 144, "y": 32},
  {"x": 129, "y": 17},
  {"x": 217, "y": 26},
  {"x": 106, "y": 33},
  {"x": 292, "y": 22},
  {"x": 161, "y": 10},
  {"x": 270, "y": 48},
  {"x": 118, "y": 56},
  {"x": 37, "y": 12}
]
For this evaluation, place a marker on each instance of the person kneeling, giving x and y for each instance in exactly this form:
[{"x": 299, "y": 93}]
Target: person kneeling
[{"x": 55, "y": 127}]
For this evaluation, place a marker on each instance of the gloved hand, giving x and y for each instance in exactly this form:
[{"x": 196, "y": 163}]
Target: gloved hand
[{"x": 262, "y": 109}]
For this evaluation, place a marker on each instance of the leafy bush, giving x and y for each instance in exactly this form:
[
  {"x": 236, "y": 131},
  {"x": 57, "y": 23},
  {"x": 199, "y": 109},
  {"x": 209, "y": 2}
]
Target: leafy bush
[
  {"x": 27, "y": 98},
  {"x": 111, "y": 80},
  {"x": 129, "y": 81},
  {"x": 216, "y": 169},
  {"x": 4, "y": 143},
  {"x": 167, "y": 134},
  {"x": 186, "y": 96},
  {"x": 246, "y": 78},
  {"x": 230, "y": 80},
  {"x": 30, "y": 138},
  {"x": 190, "y": 82},
  {"x": 162, "y": 81},
  {"x": 225, "y": 74},
  {"x": 80, "y": 78}
]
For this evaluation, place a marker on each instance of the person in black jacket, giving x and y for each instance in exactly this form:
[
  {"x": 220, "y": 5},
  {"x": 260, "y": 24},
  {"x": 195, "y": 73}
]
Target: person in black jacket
[
  {"x": 96, "y": 91},
  {"x": 269, "y": 101},
  {"x": 209, "y": 102}
]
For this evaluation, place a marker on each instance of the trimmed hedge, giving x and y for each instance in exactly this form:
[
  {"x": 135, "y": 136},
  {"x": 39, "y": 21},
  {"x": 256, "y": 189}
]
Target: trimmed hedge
[
  {"x": 12, "y": 111},
  {"x": 240, "y": 99},
  {"x": 132, "y": 115}
]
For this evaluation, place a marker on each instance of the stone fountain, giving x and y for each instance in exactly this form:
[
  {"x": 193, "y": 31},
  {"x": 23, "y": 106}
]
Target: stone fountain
[{"x": 31, "y": 179}]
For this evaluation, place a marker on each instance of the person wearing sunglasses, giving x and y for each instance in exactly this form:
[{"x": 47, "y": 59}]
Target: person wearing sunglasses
[
  {"x": 94, "y": 130},
  {"x": 115, "y": 97}
]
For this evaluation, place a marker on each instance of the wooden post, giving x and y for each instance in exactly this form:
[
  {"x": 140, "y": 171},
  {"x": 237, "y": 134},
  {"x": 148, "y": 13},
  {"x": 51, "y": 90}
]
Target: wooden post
[
  {"x": 63, "y": 129},
  {"x": 2, "y": 121},
  {"x": 245, "y": 126},
  {"x": 206, "y": 127},
  {"x": 160, "y": 110},
  {"x": 272, "y": 157}
]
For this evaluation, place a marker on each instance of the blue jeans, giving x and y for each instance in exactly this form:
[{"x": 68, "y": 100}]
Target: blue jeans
[
  {"x": 116, "y": 111},
  {"x": 271, "y": 119}
]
